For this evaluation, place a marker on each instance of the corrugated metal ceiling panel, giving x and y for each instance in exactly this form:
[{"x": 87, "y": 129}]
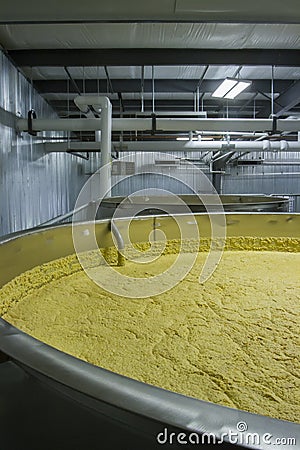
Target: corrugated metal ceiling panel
[
  {"x": 151, "y": 35},
  {"x": 161, "y": 72},
  {"x": 206, "y": 10}
]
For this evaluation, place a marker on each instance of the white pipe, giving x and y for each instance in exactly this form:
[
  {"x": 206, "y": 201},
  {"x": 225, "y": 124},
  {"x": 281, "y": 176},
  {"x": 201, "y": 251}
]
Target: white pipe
[
  {"x": 230, "y": 125},
  {"x": 236, "y": 133},
  {"x": 177, "y": 146},
  {"x": 172, "y": 124},
  {"x": 288, "y": 124},
  {"x": 61, "y": 124},
  {"x": 186, "y": 125},
  {"x": 103, "y": 105},
  {"x": 173, "y": 146},
  {"x": 265, "y": 174}
]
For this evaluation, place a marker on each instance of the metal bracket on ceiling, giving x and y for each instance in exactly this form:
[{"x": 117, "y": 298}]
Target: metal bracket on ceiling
[
  {"x": 274, "y": 125},
  {"x": 153, "y": 117},
  {"x": 31, "y": 115},
  {"x": 115, "y": 154}
]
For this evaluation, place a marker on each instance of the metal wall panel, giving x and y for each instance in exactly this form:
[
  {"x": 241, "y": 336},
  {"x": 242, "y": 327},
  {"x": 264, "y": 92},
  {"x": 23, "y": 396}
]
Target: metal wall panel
[
  {"x": 34, "y": 187},
  {"x": 282, "y": 177},
  {"x": 276, "y": 179},
  {"x": 182, "y": 178}
]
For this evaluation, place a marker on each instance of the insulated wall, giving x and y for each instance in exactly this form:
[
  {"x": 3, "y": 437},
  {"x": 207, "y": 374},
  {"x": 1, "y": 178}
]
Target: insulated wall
[
  {"x": 34, "y": 187},
  {"x": 256, "y": 173},
  {"x": 173, "y": 171},
  {"x": 278, "y": 174}
]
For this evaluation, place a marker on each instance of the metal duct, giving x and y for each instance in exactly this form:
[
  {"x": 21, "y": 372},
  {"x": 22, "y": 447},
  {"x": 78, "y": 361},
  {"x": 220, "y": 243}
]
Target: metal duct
[
  {"x": 177, "y": 146},
  {"x": 171, "y": 124}
]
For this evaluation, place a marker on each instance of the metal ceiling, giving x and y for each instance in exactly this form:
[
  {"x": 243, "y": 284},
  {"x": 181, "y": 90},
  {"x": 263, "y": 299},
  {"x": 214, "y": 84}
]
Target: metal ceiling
[
  {"x": 266, "y": 11},
  {"x": 167, "y": 55},
  {"x": 227, "y": 36},
  {"x": 154, "y": 56}
]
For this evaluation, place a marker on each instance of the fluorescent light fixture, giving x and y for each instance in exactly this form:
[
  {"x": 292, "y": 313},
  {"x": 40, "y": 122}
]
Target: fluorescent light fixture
[
  {"x": 237, "y": 89},
  {"x": 230, "y": 88},
  {"x": 224, "y": 87}
]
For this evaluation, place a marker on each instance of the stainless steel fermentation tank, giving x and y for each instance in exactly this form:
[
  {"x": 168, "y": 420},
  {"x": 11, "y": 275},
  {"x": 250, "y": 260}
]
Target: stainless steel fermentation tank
[
  {"x": 157, "y": 204},
  {"x": 51, "y": 400}
]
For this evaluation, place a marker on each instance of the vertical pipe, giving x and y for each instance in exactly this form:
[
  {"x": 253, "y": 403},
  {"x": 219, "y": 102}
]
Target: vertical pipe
[
  {"x": 272, "y": 93},
  {"x": 98, "y": 137},
  {"x": 142, "y": 88},
  {"x": 198, "y": 98},
  {"x": 102, "y": 103},
  {"x": 105, "y": 179},
  {"x": 31, "y": 88},
  {"x": 68, "y": 109},
  {"x": 153, "y": 100}
]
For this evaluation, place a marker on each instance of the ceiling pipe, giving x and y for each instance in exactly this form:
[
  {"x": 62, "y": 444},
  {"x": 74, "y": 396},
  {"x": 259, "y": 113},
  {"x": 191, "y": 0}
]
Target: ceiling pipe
[
  {"x": 230, "y": 125},
  {"x": 173, "y": 146},
  {"x": 176, "y": 146},
  {"x": 100, "y": 104},
  {"x": 83, "y": 124},
  {"x": 232, "y": 133},
  {"x": 162, "y": 124},
  {"x": 266, "y": 174}
]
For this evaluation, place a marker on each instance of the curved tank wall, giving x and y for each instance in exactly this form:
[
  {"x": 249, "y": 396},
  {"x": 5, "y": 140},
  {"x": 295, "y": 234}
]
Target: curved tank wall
[{"x": 94, "y": 399}]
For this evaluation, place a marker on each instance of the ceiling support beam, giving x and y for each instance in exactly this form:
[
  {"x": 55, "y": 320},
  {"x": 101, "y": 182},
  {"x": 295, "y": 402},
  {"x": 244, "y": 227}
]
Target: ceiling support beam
[
  {"x": 73, "y": 83},
  {"x": 154, "y": 56},
  {"x": 161, "y": 85},
  {"x": 109, "y": 83},
  {"x": 133, "y": 106},
  {"x": 247, "y": 103},
  {"x": 288, "y": 100}
]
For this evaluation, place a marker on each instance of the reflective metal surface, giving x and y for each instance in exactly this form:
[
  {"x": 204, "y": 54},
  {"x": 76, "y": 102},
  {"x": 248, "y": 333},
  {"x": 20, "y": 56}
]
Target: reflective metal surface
[
  {"x": 258, "y": 203},
  {"x": 22, "y": 251},
  {"x": 34, "y": 186},
  {"x": 25, "y": 250}
]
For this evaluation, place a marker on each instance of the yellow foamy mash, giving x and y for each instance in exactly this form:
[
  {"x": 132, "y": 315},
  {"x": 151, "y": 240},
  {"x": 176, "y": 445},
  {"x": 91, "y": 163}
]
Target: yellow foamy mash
[{"x": 233, "y": 340}]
